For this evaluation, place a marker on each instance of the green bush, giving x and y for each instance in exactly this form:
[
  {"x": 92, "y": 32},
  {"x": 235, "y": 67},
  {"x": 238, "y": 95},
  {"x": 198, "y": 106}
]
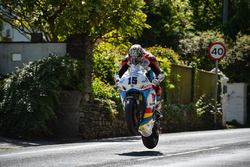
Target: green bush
[
  {"x": 207, "y": 112},
  {"x": 103, "y": 90},
  {"x": 30, "y": 94},
  {"x": 236, "y": 64},
  {"x": 165, "y": 54},
  {"x": 193, "y": 48},
  {"x": 179, "y": 117},
  {"x": 200, "y": 115},
  {"x": 1, "y": 87},
  {"x": 107, "y": 58}
]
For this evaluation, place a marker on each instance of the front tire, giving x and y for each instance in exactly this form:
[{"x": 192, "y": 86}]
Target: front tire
[{"x": 131, "y": 116}]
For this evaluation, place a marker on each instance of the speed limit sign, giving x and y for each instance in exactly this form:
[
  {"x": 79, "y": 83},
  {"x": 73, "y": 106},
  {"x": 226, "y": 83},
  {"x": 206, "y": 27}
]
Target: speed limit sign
[{"x": 217, "y": 50}]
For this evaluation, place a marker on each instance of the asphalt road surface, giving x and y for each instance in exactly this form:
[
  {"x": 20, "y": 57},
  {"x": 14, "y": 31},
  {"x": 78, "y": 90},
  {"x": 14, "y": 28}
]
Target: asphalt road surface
[{"x": 220, "y": 148}]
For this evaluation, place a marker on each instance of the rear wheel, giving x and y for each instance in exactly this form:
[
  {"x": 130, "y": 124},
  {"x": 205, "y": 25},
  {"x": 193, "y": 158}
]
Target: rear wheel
[
  {"x": 151, "y": 141},
  {"x": 131, "y": 117}
]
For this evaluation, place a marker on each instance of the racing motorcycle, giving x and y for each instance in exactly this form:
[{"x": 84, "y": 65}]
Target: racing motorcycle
[{"x": 137, "y": 93}]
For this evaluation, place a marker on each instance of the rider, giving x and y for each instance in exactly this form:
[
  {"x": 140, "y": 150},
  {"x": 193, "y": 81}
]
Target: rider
[{"x": 138, "y": 55}]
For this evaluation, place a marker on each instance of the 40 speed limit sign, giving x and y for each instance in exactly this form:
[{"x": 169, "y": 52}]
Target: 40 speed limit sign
[{"x": 217, "y": 50}]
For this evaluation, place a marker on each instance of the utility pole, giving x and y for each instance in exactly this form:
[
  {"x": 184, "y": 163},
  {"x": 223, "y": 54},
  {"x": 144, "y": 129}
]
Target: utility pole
[{"x": 225, "y": 12}]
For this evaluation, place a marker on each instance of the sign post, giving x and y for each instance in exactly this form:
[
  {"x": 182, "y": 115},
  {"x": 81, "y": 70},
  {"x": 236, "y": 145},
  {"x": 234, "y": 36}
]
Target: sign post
[{"x": 216, "y": 52}]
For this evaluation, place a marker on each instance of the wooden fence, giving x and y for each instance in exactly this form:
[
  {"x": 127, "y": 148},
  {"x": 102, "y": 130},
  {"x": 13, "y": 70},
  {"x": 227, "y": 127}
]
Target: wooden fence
[{"x": 189, "y": 84}]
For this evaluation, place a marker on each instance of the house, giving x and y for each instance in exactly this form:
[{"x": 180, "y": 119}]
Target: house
[
  {"x": 17, "y": 49},
  {"x": 13, "y": 35}
]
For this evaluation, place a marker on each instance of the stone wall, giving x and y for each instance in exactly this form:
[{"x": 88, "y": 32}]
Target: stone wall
[
  {"x": 67, "y": 123},
  {"x": 97, "y": 121}
]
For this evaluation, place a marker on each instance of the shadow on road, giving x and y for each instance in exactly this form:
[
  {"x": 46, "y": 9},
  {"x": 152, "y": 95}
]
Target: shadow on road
[{"x": 142, "y": 153}]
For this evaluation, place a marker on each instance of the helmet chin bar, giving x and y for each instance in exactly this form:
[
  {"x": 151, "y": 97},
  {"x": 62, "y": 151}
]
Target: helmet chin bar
[
  {"x": 133, "y": 61},
  {"x": 136, "y": 60}
]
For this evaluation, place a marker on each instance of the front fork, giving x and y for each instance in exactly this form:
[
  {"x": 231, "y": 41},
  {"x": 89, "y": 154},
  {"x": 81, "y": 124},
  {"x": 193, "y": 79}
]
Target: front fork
[{"x": 146, "y": 104}]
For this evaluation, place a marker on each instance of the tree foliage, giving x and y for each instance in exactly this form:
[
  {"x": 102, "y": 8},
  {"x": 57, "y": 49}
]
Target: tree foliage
[
  {"x": 239, "y": 18},
  {"x": 193, "y": 48},
  {"x": 81, "y": 21},
  {"x": 168, "y": 19},
  {"x": 106, "y": 62},
  {"x": 1, "y": 27},
  {"x": 59, "y": 19},
  {"x": 206, "y": 14},
  {"x": 236, "y": 64}
]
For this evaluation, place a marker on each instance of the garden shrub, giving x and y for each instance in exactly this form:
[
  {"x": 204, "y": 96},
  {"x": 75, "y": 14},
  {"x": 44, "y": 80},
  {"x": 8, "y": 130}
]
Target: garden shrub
[
  {"x": 31, "y": 93},
  {"x": 166, "y": 57},
  {"x": 199, "y": 115},
  {"x": 236, "y": 64},
  {"x": 179, "y": 117},
  {"x": 206, "y": 111},
  {"x": 193, "y": 48},
  {"x": 106, "y": 62},
  {"x": 1, "y": 86},
  {"x": 162, "y": 53},
  {"x": 104, "y": 90}
]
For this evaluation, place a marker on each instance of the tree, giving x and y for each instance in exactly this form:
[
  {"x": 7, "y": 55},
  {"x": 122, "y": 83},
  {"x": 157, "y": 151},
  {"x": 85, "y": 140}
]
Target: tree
[
  {"x": 193, "y": 48},
  {"x": 236, "y": 64},
  {"x": 168, "y": 19},
  {"x": 1, "y": 28},
  {"x": 239, "y": 18},
  {"x": 59, "y": 19},
  {"x": 207, "y": 14},
  {"x": 77, "y": 21}
]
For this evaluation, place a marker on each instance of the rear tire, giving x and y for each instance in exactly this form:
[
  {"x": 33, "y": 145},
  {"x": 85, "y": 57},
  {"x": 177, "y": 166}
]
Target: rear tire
[
  {"x": 151, "y": 141},
  {"x": 131, "y": 117}
]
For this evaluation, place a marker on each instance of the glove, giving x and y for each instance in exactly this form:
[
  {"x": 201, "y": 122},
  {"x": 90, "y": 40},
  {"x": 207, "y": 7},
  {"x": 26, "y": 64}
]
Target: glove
[
  {"x": 158, "y": 79},
  {"x": 117, "y": 79},
  {"x": 161, "y": 77},
  {"x": 155, "y": 81}
]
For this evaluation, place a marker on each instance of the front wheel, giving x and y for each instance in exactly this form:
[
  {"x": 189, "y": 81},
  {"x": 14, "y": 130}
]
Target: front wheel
[
  {"x": 152, "y": 140},
  {"x": 131, "y": 117}
]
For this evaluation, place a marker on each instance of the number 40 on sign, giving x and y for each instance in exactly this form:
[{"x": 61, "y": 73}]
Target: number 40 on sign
[{"x": 216, "y": 50}]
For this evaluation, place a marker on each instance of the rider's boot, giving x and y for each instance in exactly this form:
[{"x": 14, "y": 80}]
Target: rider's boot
[{"x": 158, "y": 113}]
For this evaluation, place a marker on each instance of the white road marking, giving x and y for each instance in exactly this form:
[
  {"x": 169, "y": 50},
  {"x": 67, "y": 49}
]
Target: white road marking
[
  {"x": 59, "y": 149},
  {"x": 181, "y": 153}
]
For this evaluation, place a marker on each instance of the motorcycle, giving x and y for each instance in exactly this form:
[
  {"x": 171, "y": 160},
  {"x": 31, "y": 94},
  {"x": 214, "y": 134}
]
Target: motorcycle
[{"x": 138, "y": 96}]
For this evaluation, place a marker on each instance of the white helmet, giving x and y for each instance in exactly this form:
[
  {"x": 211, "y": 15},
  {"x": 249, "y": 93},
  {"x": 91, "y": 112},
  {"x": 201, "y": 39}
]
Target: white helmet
[{"x": 136, "y": 52}]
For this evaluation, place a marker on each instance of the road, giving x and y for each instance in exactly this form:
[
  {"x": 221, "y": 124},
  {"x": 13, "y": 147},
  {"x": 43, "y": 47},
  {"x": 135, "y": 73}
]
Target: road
[{"x": 219, "y": 148}]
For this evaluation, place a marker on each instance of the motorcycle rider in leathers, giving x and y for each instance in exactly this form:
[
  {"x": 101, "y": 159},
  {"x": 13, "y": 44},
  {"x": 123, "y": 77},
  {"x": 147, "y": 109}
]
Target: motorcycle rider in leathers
[{"x": 138, "y": 55}]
